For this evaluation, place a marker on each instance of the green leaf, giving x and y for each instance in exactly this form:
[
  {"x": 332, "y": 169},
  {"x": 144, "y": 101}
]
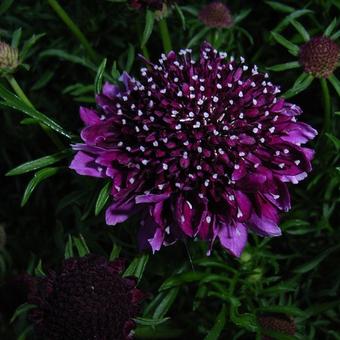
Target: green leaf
[
  {"x": 335, "y": 82},
  {"x": 81, "y": 245},
  {"x": 335, "y": 140},
  {"x": 280, "y": 7},
  {"x": 215, "y": 332},
  {"x": 198, "y": 36},
  {"x": 21, "y": 310},
  {"x": 242, "y": 15},
  {"x": 149, "y": 22},
  {"x": 28, "y": 45},
  {"x": 150, "y": 322},
  {"x": 69, "y": 248},
  {"x": 329, "y": 30},
  {"x": 284, "y": 67},
  {"x": 246, "y": 320},
  {"x": 38, "y": 271},
  {"x": 39, "y": 163},
  {"x": 292, "y": 48},
  {"x": 303, "y": 32},
  {"x": 130, "y": 58},
  {"x": 304, "y": 81},
  {"x": 166, "y": 303},
  {"x": 11, "y": 100},
  {"x": 36, "y": 180},
  {"x": 115, "y": 252},
  {"x": 294, "y": 15},
  {"x": 287, "y": 309},
  {"x": 308, "y": 266},
  {"x": 137, "y": 266},
  {"x": 16, "y": 37},
  {"x": 102, "y": 199},
  {"x": 98, "y": 81},
  {"x": 5, "y": 5},
  {"x": 181, "y": 16}
]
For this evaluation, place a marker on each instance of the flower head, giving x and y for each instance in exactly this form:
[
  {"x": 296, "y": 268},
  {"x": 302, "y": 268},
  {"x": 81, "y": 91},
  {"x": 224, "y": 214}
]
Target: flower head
[
  {"x": 197, "y": 148},
  {"x": 216, "y": 15},
  {"x": 319, "y": 56},
  {"x": 86, "y": 299},
  {"x": 8, "y": 57},
  {"x": 278, "y": 323}
]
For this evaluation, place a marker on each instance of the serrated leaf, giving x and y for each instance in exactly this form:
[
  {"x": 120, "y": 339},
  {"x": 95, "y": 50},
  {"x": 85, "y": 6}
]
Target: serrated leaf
[
  {"x": 335, "y": 82},
  {"x": 246, "y": 321},
  {"x": 69, "y": 248},
  {"x": 81, "y": 245},
  {"x": 98, "y": 81},
  {"x": 149, "y": 22},
  {"x": 102, "y": 199},
  {"x": 38, "y": 163},
  {"x": 329, "y": 30},
  {"x": 166, "y": 303},
  {"x": 35, "y": 181},
  {"x": 28, "y": 45},
  {"x": 11, "y": 100},
  {"x": 25, "y": 307},
  {"x": 137, "y": 266},
  {"x": 284, "y": 67},
  {"x": 150, "y": 322},
  {"x": 215, "y": 332},
  {"x": 292, "y": 48}
]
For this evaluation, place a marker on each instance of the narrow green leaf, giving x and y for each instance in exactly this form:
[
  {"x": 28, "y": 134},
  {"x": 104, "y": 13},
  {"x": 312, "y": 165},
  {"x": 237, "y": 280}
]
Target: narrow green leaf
[
  {"x": 242, "y": 15},
  {"x": 299, "y": 87},
  {"x": 137, "y": 266},
  {"x": 36, "y": 180},
  {"x": 130, "y": 58},
  {"x": 16, "y": 37},
  {"x": 294, "y": 15},
  {"x": 330, "y": 28},
  {"x": 98, "y": 81},
  {"x": 198, "y": 36},
  {"x": 103, "y": 197},
  {"x": 21, "y": 310},
  {"x": 284, "y": 67},
  {"x": 280, "y": 7},
  {"x": 150, "y": 322},
  {"x": 115, "y": 252},
  {"x": 39, "y": 163},
  {"x": 38, "y": 271},
  {"x": 336, "y": 35},
  {"x": 5, "y": 5},
  {"x": 335, "y": 82},
  {"x": 69, "y": 248},
  {"x": 215, "y": 332},
  {"x": 27, "y": 331},
  {"x": 149, "y": 22},
  {"x": 166, "y": 303},
  {"x": 14, "y": 102},
  {"x": 81, "y": 245},
  {"x": 301, "y": 30},
  {"x": 292, "y": 48},
  {"x": 29, "y": 44},
  {"x": 335, "y": 140},
  {"x": 181, "y": 16},
  {"x": 308, "y": 266},
  {"x": 287, "y": 309}
]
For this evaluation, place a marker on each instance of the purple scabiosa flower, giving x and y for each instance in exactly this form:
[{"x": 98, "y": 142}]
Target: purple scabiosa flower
[
  {"x": 278, "y": 323},
  {"x": 319, "y": 56},
  {"x": 216, "y": 15},
  {"x": 197, "y": 148},
  {"x": 86, "y": 299}
]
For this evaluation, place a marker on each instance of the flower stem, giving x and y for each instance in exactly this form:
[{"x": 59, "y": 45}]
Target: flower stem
[
  {"x": 73, "y": 28},
  {"x": 21, "y": 94},
  {"x": 166, "y": 40},
  {"x": 327, "y": 105}
]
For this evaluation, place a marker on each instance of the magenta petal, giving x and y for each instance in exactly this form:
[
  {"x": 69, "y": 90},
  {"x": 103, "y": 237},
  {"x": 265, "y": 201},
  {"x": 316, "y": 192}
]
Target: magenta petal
[
  {"x": 119, "y": 212},
  {"x": 110, "y": 90},
  {"x": 88, "y": 116},
  {"x": 151, "y": 198},
  {"x": 157, "y": 240},
  {"x": 233, "y": 238},
  {"x": 264, "y": 226},
  {"x": 84, "y": 164}
]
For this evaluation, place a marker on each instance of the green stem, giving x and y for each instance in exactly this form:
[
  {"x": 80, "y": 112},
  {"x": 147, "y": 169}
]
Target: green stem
[
  {"x": 166, "y": 40},
  {"x": 21, "y": 94},
  {"x": 327, "y": 105},
  {"x": 73, "y": 28}
]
